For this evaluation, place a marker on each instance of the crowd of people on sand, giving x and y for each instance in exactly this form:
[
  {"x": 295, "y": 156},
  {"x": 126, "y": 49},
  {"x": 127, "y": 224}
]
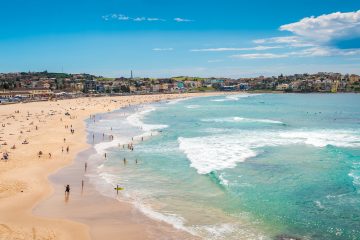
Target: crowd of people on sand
[{"x": 43, "y": 117}]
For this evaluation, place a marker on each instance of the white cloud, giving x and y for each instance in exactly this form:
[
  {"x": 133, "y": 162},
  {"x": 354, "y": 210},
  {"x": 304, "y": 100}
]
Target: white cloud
[
  {"x": 316, "y": 36},
  {"x": 257, "y": 48},
  {"x": 317, "y": 51},
  {"x": 155, "y": 19},
  {"x": 162, "y": 49},
  {"x": 139, "y": 19},
  {"x": 259, "y": 56},
  {"x": 326, "y": 27},
  {"x": 320, "y": 51},
  {"x": 182, "y": 20},
  {"x": 122, "y": 17},
  {"x": 291, "y": 41}
]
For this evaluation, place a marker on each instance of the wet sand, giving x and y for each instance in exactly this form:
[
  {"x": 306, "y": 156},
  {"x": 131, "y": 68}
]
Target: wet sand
[{"x": 106, "y": 217}]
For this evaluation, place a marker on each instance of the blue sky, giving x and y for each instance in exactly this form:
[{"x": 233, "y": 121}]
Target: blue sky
[{"x": 162, "y": 38}]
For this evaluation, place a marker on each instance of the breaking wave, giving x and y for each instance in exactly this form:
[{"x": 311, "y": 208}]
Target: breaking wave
[
  {"x": 218, "y": 152},
  {"x": 235, "y": 97},
  {"x": 241, "y": 119}
]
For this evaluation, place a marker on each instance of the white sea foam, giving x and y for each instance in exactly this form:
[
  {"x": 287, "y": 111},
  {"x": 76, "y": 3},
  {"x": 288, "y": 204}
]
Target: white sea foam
[
  {"x": 319, "y": 204},
  {"x": 213, "y": 153},
  {"x": 175, "y": 101},
  {"x": 102, "y": 146},
  {"x": 355, "y": 175},
  {"x": 172, "y": 219},
  {"x": 216, "y": 231},
  {"x": 241, "y": 119},
  {"x": 218, "y": 152},
  {"x": 193, "y": 106},
  {"x": 223, "y": 180},
  {"x": 136, "y": 120},
  {"x": 235, "y": 97}
]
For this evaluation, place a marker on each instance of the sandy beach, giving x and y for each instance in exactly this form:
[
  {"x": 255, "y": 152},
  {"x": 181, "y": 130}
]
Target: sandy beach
[{"x": 42, "y": 137}]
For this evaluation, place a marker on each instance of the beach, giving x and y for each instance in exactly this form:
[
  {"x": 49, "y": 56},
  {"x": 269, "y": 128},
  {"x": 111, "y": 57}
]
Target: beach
[
  {"x": 243, "y": 166},
  {"x": 42, "y": 137}
]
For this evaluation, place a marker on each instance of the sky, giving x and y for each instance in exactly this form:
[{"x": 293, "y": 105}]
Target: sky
[{"x": 164, "y": 38}]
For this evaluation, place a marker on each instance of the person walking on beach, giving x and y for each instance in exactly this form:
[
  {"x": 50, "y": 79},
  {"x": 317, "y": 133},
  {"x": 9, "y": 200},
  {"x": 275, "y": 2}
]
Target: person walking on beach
[
  {"x": 124, "y": 161},
  {"x": 85, "y": 166},
  {"x": 67, "y": 189},
  {"x": 67, "y": 149}
]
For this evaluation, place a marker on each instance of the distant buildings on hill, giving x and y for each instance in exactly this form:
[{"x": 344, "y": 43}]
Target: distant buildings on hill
[{"x": 44, "y": 85}]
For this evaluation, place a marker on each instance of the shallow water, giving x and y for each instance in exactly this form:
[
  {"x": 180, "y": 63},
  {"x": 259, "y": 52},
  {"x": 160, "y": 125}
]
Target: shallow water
[{"x": 259, "y": 166}]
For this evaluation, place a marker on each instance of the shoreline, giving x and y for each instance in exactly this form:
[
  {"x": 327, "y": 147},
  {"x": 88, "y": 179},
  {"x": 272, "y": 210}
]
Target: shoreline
[
  {"x": 24, "y": 177},
  {"x": 114, "y": 215}
]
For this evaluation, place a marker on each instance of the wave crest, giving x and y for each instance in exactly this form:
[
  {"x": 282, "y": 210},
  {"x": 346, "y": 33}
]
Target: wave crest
[{"x": 218, "y": 152}]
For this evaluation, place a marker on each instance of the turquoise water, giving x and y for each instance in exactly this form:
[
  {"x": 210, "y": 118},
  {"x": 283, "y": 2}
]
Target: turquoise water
[{"x": 267, "y": 166}]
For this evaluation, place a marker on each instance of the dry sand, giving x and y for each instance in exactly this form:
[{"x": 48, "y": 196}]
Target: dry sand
[{"x": 24, "y": 177}]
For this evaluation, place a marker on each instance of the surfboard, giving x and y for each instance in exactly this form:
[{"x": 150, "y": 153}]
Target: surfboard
[{"x": 119, "y": 188}]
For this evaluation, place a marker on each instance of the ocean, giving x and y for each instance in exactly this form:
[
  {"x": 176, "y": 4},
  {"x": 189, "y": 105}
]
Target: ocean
[{"x": 247, "y": 166}]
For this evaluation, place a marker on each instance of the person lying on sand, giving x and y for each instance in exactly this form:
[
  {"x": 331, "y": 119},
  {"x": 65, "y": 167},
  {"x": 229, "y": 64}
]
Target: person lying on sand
[{"x": 5, "y": 156}]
